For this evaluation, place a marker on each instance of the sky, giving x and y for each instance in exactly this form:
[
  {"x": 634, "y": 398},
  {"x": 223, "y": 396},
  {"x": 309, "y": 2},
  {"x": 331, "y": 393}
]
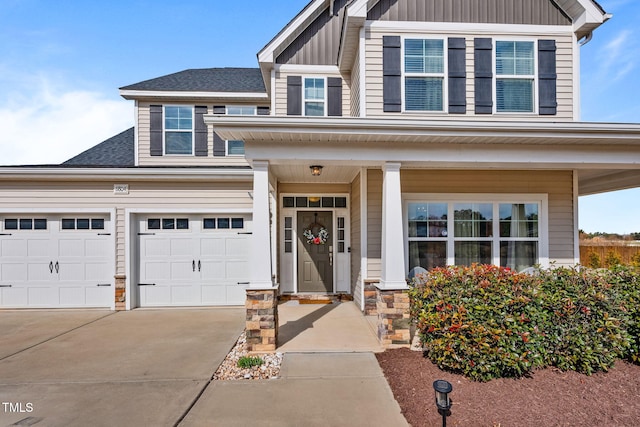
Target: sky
[{"x": 62, "y": 62}]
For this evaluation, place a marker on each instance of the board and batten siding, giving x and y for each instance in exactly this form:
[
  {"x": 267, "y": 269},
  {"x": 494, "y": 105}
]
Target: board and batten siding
[
  {"x": 564, "y": 70},
  {"x": 356, "y": 221},
  {"x": 558, "y": 185},
  {"x": 144, "y": 142},
  {"x": 318, "y": 44},
  {"x": 281, "y": 89},
  {"x": 142, "y": 195},
  {"x": 525, "y": 12}
]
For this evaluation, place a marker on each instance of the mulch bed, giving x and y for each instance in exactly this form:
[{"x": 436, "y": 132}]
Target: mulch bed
[{"x": 549, "y": 398}]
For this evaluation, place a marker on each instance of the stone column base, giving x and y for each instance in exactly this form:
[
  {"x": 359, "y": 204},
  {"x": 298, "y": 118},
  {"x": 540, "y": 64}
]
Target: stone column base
[
  {"x": 370, "y": 298},
  {"x": 262, "y": 320},
  {"x": 121, "y": 296},
  {"x": 394, "y": 321}
]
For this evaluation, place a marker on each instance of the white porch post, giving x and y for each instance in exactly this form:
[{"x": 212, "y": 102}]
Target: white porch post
[
  {"x": 261, "y": 238},
  {"x": 393, "y": 274}
]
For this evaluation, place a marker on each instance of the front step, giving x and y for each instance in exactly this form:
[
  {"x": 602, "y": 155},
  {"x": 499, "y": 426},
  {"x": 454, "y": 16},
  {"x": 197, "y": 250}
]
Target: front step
[{"x": 316, "y": 298}]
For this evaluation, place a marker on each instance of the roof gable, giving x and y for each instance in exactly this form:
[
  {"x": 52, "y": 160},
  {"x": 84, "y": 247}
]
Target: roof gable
[{"x": 117, "y": 151}]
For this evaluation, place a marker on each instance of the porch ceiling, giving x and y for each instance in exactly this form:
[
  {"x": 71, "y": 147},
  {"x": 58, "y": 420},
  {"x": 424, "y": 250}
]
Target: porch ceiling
[{"x": 301, "y": 173}]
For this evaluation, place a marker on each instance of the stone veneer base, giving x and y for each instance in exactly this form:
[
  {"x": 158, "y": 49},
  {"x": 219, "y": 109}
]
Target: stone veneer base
[
  {"x": 121, "y": 295},
  {"x": 394, "y": 320},
  {"x": 262, "y": 320}
]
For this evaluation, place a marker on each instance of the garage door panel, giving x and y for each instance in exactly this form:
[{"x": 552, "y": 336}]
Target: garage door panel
[
  {"x": 158, "y": 295},
  {"x": 15, "y": 297},
  {"x": 71, "y": 272},
  {"x": 38, "y": 272},
  {"x": 185, "y": 294},
  {"x": 97, "y": 272},
  {"x": 95, "y": 296},
  {"x": 98, "y": 248},
  {"x": 182, "y": 247},
  {"x": 72, "y": 296},
  {"x": 13, "y": 272},
  {"x": 212, "y": 247},
  {"x": 213, "y": 270},
  {"x": 152, "y": 248},
  {"x": 236, "y": 247},
  {"x": 181, "y": 270},
  {"x": 214, "y": 295},
  {"x": 43, "y": 296},
  {"x": 237, "y": 269},
  {"x": 155, "y": 271},
  {"x": 70, "y": 248}
]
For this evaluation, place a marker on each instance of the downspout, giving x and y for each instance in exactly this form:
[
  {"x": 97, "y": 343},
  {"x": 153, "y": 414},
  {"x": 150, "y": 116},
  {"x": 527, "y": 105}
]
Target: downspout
[{"x": 586, "y": 39}]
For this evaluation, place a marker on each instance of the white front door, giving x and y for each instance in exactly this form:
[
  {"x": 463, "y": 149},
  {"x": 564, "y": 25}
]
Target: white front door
[
  {"x": 193, "y": 260},
  {"x": 55, "y": 261}
]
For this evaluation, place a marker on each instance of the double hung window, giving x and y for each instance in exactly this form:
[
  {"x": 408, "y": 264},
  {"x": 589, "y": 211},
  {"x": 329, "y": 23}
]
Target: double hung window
[
  {"x": 424, "y": 75},
  {"x": 463, "y": 233},
  {"x": 515, "y": 76},
  {"x": 178, "y": 130},
  {"x": 314, "y": 96}
]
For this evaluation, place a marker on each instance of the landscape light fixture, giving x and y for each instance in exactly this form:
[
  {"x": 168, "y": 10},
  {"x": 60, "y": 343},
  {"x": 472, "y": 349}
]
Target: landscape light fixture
[
  {"x": 443, "y": 402},
  {"x": 316, "y": 170}
]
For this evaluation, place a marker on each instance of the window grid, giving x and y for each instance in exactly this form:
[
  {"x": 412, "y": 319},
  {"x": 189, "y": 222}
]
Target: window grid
[
  {"x": 341, "y": 234},
  {"x": 314, "y": 96},
  {"x": 37, "y": 224},
  {"x": 499, "y": 233},
  {"x": 424, "y": 75},
  {"x": 515, "y": 76},
  {"x": 288, "y": 234},
  {"x": 178, "y": 130}
]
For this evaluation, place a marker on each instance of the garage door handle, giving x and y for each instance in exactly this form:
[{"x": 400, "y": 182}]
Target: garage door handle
[
  {"x": 146, "y": 234},
  {"x": 199, "y": 265},
  {"x": 104, "y": 234},
  {"x": 102, "y": 285},
  {"x": 6, "y": 234},
  {"x": 193, "y": 265},
  {"x": 51, "y": 267},
  {"x": 245, "y": 232},
  {"x": 243, "y": 283},
  {"x": 57, "y": 267},
  {"x": 146, "y": 284},
  {"x": 5, "y": 286}
]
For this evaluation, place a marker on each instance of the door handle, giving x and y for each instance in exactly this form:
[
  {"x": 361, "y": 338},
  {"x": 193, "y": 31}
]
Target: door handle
[
  {"x": 193, "y": 265},
  {"x": 51, "y": 267},
  {"x": 57, "y": 267},
  {"x": 199, "y": 265}
]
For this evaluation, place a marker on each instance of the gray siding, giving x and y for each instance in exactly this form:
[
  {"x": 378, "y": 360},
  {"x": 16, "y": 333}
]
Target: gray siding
[
  {"x": 533, "y": 12},
  {"x": 355, "y": 87},
  {"x": 319, "y": 42}
]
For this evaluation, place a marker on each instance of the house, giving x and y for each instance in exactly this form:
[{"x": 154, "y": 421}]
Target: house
[{"x": 375, "y": 138}]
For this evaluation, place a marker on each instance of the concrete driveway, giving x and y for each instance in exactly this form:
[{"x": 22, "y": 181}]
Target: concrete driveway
[{"x": 99, "y": 368}]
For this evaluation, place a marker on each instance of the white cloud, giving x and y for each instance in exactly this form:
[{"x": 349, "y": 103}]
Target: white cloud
[
  {"x": 618, "y": 57},
  {"x": 48, "y": 125}
]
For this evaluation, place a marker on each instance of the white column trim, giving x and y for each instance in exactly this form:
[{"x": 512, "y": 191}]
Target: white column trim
[
  {"x": 364, "y": 249},
  {"x": 576, "y": 219},
  {"x": 363, "y": 72},
  {"x": 261, "y": 275},
  {"x": 393, "y": 259}
]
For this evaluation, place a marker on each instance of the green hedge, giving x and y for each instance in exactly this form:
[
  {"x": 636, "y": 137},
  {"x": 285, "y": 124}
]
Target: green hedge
[{"x": 489, "y": 322}]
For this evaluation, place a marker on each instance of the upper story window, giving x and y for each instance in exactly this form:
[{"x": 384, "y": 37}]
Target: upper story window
[
  {"x": 515, "y": 76},
  {"x": 178, "y": 130},
  {"x": 424, "y": 73},
  {"x": 314, "y": 96}
]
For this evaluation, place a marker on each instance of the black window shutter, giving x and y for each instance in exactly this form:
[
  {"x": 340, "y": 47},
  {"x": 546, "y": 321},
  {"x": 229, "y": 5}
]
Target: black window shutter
[
  {"x": 334, "y": 96},
  {"x": 392, "y": 73},
  {"x": 483, "y": 52},
  {"x": 156, "y": 130},
  {"x": 219, "y": 149},
  {"x": 294, "y": 95},
  {"x": 264, "y": 111},
  {"x": 201, "y": 132},
  {"x": 219, "y": 109},
  {"x": 547, "y": 77},
  {"x": 457, "y": 76}
]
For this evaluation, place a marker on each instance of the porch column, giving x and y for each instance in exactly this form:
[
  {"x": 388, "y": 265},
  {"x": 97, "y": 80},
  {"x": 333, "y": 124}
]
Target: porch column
[
  {"x": 261, "y": 275},
  {"x": 393, "y": 274}
]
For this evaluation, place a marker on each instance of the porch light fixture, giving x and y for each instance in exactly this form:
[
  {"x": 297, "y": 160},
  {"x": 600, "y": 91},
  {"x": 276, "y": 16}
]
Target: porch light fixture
[
  {"x": 316, "y": 170},
  {"x": 443, "y": 402}
]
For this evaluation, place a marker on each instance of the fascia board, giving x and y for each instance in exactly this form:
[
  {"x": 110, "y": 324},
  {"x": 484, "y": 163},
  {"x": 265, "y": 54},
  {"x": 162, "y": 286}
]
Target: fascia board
[
  {"x": 91, "y": 174},
  {"x": 136, "y": 94}
]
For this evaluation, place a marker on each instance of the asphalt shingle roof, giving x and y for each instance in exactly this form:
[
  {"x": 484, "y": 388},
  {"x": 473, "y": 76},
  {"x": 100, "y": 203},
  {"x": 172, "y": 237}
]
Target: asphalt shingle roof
[
  {"x": 117, "y": 151},
  {"x": 205, "y": 80}
]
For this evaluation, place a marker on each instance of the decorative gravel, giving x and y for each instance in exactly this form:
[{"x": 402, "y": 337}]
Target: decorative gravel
[{"x": 229, "y": 369}]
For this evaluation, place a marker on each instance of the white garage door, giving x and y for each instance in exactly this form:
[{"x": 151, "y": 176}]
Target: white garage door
[
  {"x": 60, "y": 261},
  {"x": 194, "y": 260}
]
